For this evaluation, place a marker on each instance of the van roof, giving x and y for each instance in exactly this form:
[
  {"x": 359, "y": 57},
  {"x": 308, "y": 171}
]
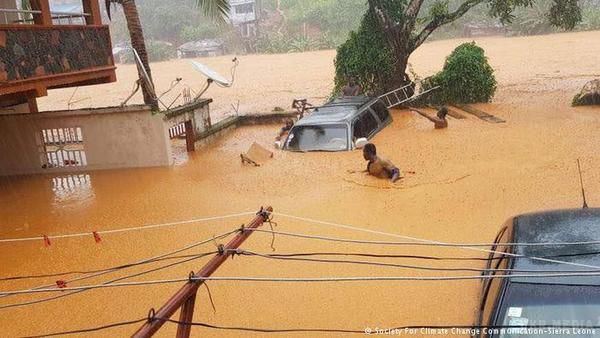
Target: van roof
[{"x": 340, "y": 110}]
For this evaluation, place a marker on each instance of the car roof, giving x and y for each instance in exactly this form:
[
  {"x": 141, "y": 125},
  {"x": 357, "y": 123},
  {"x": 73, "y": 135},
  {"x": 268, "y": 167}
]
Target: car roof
[
  {"x": 573, "y": 225},
  {"x": 340, "y": 110}
]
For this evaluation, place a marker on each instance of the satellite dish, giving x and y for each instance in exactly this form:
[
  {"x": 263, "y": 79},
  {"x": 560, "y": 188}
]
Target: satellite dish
[{"x": 211, "y": 74}]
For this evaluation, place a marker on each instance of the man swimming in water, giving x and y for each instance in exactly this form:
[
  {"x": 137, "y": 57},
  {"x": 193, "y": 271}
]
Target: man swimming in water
[
  {"x": 378, "y": 166},
  {"x": 440, "y": 121}
]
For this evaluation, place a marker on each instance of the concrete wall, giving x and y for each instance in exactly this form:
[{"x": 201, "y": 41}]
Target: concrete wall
[
  {"x": 113, "y": 138},
  {"x": 198, "y": 112}
]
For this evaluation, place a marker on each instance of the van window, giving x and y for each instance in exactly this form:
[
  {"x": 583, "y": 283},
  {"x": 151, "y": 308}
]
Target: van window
[
  {"x": 365, "y": 126},
  {"x": 381, "y": 111}
]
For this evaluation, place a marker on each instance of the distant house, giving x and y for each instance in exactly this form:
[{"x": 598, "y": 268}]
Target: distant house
[{"x": 245, "y": 15}]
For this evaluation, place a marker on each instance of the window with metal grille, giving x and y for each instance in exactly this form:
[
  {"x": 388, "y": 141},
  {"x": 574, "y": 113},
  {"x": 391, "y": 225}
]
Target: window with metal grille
[{"x": 63, "y": 147}]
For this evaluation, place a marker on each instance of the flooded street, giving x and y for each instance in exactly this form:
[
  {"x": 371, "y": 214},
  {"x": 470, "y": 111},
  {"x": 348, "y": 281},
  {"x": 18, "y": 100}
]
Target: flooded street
[{"x": 468, "y": 180}]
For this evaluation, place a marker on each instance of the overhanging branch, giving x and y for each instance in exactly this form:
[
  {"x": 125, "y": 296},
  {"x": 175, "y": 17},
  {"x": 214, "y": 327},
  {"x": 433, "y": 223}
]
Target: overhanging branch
[{"x": 444, "y": 20}]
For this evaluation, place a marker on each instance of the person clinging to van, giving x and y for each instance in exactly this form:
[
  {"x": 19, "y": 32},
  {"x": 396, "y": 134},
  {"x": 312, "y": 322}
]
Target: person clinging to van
[
  {"x": 440, "y": 121},
  {"x": 289, "y": 123},
  {"x": 351, "y": 88},
  {"x": 378, "y": 166}
]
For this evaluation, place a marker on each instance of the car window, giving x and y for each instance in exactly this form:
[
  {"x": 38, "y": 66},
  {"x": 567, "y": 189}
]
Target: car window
[
  {"x": 365, "y": 125},
  {"x": 534, "y": 304},
  {"x": 381, "y": 111},
  {"x": 318, "y": 138}
]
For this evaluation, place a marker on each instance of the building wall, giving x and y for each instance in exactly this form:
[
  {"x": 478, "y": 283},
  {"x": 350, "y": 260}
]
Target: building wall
[{"x": 112, "y": 138}]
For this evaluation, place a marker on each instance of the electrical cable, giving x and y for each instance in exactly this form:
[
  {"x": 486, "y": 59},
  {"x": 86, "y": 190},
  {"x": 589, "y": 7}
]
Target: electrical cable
[
  {"x": 144, "y": 260},
  {"x": 305, "y": 280},
  {"x": 433, "y": 242},
  {"x": 429, "y": 243},
  {"x": 94, "y": 329},
  {"x": 290, "y": 257},
  {"x": 366, "y": 331},
  {"x": 113, "y": 231},
  {"x": 435, "y": 258},
  {"x": 77, "y": 272},
  {"x": 110, "y": 282}
]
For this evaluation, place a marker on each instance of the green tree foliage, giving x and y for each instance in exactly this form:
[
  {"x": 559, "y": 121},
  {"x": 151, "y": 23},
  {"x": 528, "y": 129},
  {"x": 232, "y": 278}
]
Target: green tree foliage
[
  {"x": 467, "y": 77},
  {"x": 366, "y": 56},
  {"x": 407, "y": 24}
]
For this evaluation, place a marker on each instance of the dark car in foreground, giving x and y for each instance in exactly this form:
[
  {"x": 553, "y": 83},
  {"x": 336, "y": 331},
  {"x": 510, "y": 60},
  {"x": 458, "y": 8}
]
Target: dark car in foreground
[
  {"x": 570, "y": 304},
  {"x": 337, "y": 125}
]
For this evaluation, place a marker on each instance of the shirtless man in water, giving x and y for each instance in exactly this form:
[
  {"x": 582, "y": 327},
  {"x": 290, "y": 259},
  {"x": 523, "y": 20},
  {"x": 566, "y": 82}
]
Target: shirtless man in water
[
  {"x": 378, "y": 166},
  {"x": 440, "y": 121}
]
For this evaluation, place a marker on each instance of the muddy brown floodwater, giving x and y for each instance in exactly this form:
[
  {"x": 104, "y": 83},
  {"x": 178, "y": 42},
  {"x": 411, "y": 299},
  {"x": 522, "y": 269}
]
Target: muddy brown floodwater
[{"x": 469, "y": 179}]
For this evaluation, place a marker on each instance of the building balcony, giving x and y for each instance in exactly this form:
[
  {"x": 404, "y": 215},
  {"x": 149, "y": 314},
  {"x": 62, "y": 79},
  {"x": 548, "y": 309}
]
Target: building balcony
[{"x": 38, "y": 52}]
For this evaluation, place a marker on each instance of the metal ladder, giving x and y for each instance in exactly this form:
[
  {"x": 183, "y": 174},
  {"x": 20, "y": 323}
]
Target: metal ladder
[{"x": 401, "y": 95}]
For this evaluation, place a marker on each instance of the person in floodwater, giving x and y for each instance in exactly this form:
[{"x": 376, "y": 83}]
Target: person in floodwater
[
  {"x": 285, "y": 130},
  {"x": 351, "y": 88},
  {"x": 378, "y": 166},
  {"x": 440, "y": 121}
]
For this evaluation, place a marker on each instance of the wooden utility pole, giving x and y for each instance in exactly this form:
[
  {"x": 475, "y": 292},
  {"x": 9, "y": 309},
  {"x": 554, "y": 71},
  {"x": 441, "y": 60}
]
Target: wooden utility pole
[{"x": 185, "y": 298}]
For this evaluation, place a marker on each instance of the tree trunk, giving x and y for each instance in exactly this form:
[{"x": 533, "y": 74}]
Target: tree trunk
[{"x": 138, "y": 43}]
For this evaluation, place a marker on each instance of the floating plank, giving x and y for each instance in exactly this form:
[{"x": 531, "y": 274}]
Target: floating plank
[
  {"x": 256, "y": 155},
  {"x": 480, "y": 114}
]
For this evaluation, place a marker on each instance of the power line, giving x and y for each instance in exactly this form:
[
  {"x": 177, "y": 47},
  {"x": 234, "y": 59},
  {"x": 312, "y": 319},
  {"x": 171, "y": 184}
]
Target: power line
[
  {"x": 143, "y": 261},
  {"x": 84, "y": 272},
  {"x": 370, "y": 331},
  {"x": 290, "y": 257},
  {"x": 305, "y": 280},
  {"x": 108, "y": 271},
  {"x": 434, "y": 258},
  {"x": 424, "y": 242},
  {"x": 79, "y": 290},
  {"x": 433, "y": 242},
  {"x": 143, "y": 227},
  {"x": 94, "y": 329}
]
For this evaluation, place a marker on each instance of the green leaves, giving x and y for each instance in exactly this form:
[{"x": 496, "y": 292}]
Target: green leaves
[
  {"x": 215, "y": 9},
  {"x": 366, "y": 56},
  {"x": 467, "y": 77},
  {"x": 565, "y": 14},
  {"x": 439, "y": 10}
]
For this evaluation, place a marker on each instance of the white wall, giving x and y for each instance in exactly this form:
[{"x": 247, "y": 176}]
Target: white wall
[{"x": 113, "y": 138}]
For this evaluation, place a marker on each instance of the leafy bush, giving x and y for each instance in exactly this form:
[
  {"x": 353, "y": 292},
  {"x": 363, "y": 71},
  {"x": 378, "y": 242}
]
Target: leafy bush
[
  {"x": 466, "y": 77},
  {"x": 366, "y": 56}
]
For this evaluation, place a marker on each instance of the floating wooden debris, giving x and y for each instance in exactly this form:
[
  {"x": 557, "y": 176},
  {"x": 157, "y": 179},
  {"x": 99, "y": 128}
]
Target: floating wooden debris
[
  {"x": 480, "y": 113},
  {"x": 256, "y": 155}
]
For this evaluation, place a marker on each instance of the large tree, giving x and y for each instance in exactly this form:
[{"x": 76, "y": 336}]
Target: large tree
[
  {"x": 214, "y": 9},
  {"x": 406, "y": 24}
]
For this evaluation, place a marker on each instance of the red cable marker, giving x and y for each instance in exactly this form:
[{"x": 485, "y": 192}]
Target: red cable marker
[
  {"x": 47, "y": 241},
  {"x": 97, "y": 237},
  {"x": 61, "y": 284}
]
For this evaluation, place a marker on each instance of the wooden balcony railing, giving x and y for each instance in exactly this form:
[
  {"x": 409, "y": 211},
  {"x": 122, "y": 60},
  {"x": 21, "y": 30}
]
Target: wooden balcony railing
[{"x": 38, "y": 57}]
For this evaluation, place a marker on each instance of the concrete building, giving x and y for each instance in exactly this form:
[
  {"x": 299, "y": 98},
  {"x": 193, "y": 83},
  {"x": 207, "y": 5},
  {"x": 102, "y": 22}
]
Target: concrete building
[
  {"x": 42, "y": 49},
  {"x": 245, "y": 15}
]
